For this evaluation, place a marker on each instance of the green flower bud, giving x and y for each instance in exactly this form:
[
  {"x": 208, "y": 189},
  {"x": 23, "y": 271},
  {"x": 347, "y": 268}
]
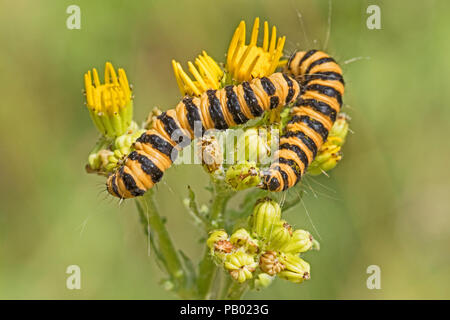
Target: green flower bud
[
  {"x": 151, "y": 118},
  {"x": 210, "y": 153},
  {"x": 301, "y": 241},
  {"x": 296, "y": 269},
  {"x": 241, "y": 238},
  {"x": 263, "y": 280},
  {"x": 266, "y": 215},
  {"x": 270, "y": 264},
  {"x": 216, "y": 236},
  {"x": 340, "y": 128},
  {"x": 240, "y": 265},
  {"x": 328, "y": 156},
  {"x": 252, "y": 146},
  {"x": 279, "y": 237},
  {"x": 243, "y": 176},
  {"x": 330, "y": 153},
  {"x": 110, "y": 104},
  {"x": 107, "y": 156}
]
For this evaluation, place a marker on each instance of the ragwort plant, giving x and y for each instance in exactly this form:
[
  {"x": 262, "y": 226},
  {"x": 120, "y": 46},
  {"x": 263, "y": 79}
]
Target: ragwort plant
[{"x": 245, "y": 248}]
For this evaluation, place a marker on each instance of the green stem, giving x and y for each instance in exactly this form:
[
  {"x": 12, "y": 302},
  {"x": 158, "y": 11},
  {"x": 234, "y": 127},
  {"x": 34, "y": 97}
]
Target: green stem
[
  {"x": 236, "y": 291},
  {"x": 207, "y": 268},
  {"x": 221, "y": 196},
  {"x": 206, "y": 274},
  {"x": 165, "y": 251}
]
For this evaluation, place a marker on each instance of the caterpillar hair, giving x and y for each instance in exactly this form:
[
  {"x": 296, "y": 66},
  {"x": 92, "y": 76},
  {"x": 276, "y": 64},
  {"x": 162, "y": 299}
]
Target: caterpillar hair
[
  {"x": 313, "y": 115},
  {"x": 157, "y": 148}
]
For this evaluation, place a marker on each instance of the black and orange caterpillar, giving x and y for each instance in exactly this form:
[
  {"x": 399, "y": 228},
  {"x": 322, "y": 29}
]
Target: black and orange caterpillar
[
  {"x": 156, "y": 149},
  {"x": 313, "y": 115}
]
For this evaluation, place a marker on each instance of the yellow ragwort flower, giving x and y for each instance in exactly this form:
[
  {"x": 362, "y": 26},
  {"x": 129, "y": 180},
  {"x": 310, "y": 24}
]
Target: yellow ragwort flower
[
  {"x": 247, "y": 61},
  {"x": 207, "y": 75},
  {"x": 109, "y": 104}
]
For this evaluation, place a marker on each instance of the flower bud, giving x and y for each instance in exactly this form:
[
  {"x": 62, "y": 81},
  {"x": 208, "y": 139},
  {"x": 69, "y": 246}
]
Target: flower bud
[
  {"x": 266, "y": 215},
  {"x": 340, "y": 128},
  {"x": 327, "y": 158},
  {"x": 243, "y": 176},
  {"x": 110, "y": 104},
  {"x": 241, "y": 238},
  {"x": 269, "y": 263},
  {"x": 240, "y": 265},
  {"x": 263, "y": 280},
  {"x": 252, "y": 146},
  {"x": 151, "y": 118},
  {"x": 210, "y": 153},
  {"x": 98, "y": 161},
  {"x": 216, "y": 236},
  {"x": 109, "y": 156},
  {"x": 296, "y": 269},
  {"x": 279, "y": 237},
  {"x": 301, "y": 241}
]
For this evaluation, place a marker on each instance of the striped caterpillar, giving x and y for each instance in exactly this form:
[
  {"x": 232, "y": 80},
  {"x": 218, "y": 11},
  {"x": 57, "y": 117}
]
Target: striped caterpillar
[
  {"x": 156, "y": 149},
  {"x": 313, "y": 116}
]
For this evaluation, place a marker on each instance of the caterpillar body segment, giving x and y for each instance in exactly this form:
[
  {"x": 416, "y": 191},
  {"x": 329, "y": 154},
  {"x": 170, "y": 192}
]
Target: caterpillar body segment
[
  {"x": 220, "y": 109},
  {"x": 313, "y": 116}
]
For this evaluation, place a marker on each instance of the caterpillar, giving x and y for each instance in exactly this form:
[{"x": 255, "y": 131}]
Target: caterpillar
[
  {"x": 157, "y": 148},
  {"x": 313, "y": 116}
]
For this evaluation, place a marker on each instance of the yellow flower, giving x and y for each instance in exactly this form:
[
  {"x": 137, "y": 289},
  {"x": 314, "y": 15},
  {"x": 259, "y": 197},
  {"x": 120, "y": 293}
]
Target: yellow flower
[
  {"x": 247, "y": 61},
  {"x": 109, "y": 104},
  {"x": 207, "y": 75},
  {"x": 240, "y": 265}
]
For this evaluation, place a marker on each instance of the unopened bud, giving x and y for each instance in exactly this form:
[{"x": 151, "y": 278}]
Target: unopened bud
[
  {"x": 240, "y": 265},
  {"x": 243, "y": 176},
  {"x": 253, "y": 146},
  {"x": 210, "y": 153},
  {"x": 327, "y": 158},
  {"x": 216, "y": 236},
  {"x": 151, "y": 118},
  {"x": 269, "y": 263},
  {"x": 296, "y": 269},
  {"x": 340, "y": 128},
  {"x": 266, "y": 215},
  {"x": 301, "y": 241},
  {"x": 279, "y": 237},
  {"x": 241, "y": 238}
]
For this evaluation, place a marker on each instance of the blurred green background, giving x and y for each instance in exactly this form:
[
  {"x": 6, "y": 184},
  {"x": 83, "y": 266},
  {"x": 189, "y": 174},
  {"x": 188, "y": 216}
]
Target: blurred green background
[{"x": 386, "y": 204}]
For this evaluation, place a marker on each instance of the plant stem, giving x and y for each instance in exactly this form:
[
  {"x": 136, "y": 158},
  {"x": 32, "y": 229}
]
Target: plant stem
[
  {"x": 164, "y": 248},
  {"x": 206, "y": 274},
  {"x": 207, "y": 269},
  {"x": 236, "y": 291}
]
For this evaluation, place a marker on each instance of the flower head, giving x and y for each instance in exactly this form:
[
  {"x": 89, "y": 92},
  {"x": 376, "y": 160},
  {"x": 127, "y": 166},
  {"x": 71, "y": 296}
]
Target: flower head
[
  {"x": 207, "y": 75},
  {"x": 110, "y": 104},
  {"x": 266, "y": 215},
  {"x": 301, "y": 241},
  {"x": 241, "y": 238},
  {"x": 296, "y": 269},
  {"x": 241, "y": 265},
  {"x": 247, "y": 61},
  {"x": 243, "y": 176},
  {"x": 279, "y": 237},
  {"x": 269, "y": 263},
  {"x": 330, "y": 152}
]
